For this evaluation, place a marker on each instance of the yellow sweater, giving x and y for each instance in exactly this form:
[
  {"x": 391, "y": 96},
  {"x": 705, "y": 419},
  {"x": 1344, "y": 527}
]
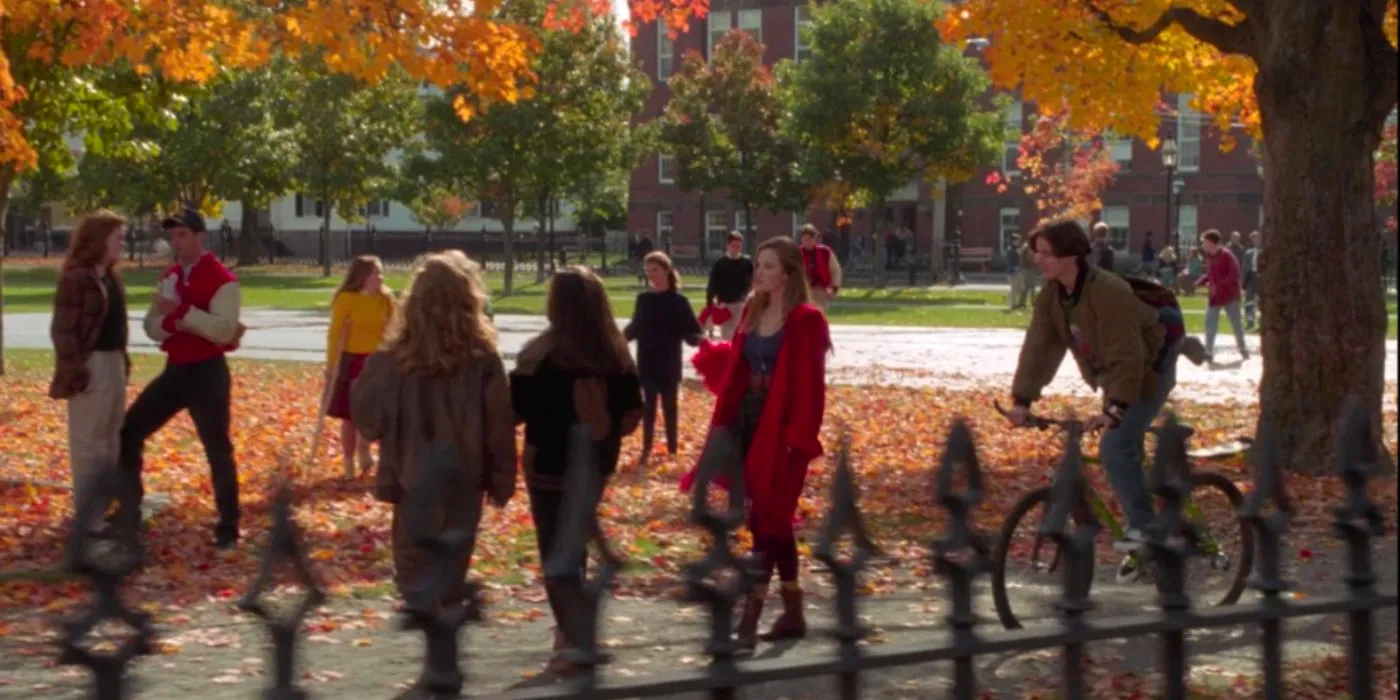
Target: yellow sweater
[{"x": 367, "y": 316}]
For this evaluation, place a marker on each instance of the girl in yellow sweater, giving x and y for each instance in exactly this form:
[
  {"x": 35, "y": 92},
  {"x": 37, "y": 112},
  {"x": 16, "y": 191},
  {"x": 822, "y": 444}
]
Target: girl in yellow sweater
[{"x": 360, "y": 315}]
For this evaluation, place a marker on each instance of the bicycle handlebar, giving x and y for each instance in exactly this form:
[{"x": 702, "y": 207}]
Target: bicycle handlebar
[{"x": 1041, "y": 422}]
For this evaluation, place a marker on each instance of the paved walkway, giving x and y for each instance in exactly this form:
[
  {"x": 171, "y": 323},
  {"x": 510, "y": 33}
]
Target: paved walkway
[{"x": 903, "y": 355}]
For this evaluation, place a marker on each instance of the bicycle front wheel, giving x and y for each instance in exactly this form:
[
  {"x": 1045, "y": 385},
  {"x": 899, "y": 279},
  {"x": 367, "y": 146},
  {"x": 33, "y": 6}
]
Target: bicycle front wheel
[
  {"x": 1218, "y": 576},
  {"x": 1027, "y": 563}
]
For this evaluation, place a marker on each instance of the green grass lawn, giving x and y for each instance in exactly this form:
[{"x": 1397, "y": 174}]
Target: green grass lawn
[{"x": 30, "y": 289}]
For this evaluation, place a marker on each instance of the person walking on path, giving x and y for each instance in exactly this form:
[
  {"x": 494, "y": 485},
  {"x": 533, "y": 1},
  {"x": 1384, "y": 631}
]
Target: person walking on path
[
  {"x": 770, "y": 387},
  {"x": 661, "y": 321},
  {"x": 1149, "y": 257},
  {"x": 1121, "y": 346},
  {"x": 1223, "y": 276},
  {"x": 360, "y": 314},
  {"x": 577, "y": 372},
  {"x": 1013, "y": 265},
  {"x": 1027, "y": 276},
  {"x": 194, "y": 317},
  {"x": 1103, "y": 250},
  {"x": 645, "y": 246},
  {"x": 1195, "y": 267},
  {"x": 91, "y": 365},
  {"x": 438, "y": 390},
  {"x": 823, "y": 270},
  {"x": 1251, "y": 280},
  {"x": 1236, "y": 245},
  {"x": 1166, "y": 267},
  {"x": 730, "y": 279}
]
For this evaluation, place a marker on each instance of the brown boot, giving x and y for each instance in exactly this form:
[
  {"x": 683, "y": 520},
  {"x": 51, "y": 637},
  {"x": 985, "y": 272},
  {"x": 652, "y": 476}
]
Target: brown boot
[
  {"x": 792, "y": 624},
  {"x": 747, "y": 632}
]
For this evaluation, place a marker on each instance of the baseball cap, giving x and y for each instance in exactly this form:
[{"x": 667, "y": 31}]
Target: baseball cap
[{"x": 188, "y": 218}]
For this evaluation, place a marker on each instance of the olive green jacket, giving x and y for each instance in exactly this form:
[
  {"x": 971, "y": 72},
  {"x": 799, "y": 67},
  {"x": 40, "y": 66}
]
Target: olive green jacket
[{"x": 1114, "y": 337}]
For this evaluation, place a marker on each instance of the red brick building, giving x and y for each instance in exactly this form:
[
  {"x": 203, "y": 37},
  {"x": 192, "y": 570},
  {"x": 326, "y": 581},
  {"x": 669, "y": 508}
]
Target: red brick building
[{"x": 1213, "y": 189}]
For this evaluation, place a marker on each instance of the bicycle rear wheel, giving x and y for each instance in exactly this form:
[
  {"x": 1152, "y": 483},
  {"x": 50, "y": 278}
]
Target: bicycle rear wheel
[
  {"x": 1021, "y": 542},
  {"x": 1218, "y": 576}
]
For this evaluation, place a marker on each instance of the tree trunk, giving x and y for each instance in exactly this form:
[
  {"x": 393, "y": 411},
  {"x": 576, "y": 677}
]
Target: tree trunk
[
  {"x": 508, "y": 241},
  {"x": 7, "y": 178},
  {"x": 248, "y": 234},
  {"x": 1322, "y": 304},
  {"x": 553, "y": 254},
  {"x": 877, "y": 240},
  {"x": 541, "y": 211}
]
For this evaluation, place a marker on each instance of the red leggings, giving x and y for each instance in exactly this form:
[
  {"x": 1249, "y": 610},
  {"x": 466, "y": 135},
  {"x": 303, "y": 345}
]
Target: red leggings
[{"x": 776, "y": 552}]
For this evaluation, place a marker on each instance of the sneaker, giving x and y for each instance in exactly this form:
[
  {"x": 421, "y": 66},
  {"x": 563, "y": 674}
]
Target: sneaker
[
  {"x": 1194, "y": 350},
  {"x": 1128, "y": 570},
  {"x": 1132, "y": 541}
]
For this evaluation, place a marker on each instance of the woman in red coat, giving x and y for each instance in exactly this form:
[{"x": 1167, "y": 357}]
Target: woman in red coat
[{"x": 771, "y": 393}]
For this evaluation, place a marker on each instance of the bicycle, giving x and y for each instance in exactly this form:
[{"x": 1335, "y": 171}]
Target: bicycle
[{"x": 1204, "y": 484}]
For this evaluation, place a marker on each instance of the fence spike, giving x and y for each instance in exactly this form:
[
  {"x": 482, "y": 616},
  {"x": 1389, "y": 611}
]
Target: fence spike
[
  {"x": 1357, "y": 521},
  {"x": 1269, "y": 527},
  {"x": 843, "y": 518},
  {"x": 107, "y": 570},
  {"x": 1074, "y": 552},
  {"x": 961, "y": 555},
  {"x": 1172, "y": 540}
]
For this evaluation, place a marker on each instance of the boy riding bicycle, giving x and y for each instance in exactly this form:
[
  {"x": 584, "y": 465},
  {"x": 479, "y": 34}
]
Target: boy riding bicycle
[{"x": 1121, "y": 346}]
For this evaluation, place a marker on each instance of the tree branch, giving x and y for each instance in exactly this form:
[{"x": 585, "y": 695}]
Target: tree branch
[{"x": 1230, "y": 39}]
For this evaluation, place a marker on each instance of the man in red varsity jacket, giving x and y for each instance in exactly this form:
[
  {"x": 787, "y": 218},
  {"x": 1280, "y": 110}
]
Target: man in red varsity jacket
[
  {"x": 194, "y": 317},
  {"x": 823, "y": 269}
]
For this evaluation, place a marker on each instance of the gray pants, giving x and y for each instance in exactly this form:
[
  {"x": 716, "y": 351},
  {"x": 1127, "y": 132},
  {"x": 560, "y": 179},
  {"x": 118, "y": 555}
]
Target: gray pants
[
  {"x": 1122, "y": 451},
  {"x": 1232, "y": 311},
  {"x": 95, "y": 423}
]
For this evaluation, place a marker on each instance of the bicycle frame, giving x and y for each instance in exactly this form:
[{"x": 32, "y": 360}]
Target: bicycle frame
[{"x": 1208, "y": 544}]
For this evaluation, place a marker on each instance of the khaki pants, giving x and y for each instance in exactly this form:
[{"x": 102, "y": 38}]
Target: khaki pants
[
  {"x": 95, "y": 423},
  {"x": 728, "y": 328}
]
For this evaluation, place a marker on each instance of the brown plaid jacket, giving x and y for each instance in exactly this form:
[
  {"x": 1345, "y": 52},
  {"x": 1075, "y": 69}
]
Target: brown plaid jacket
[{"x": 78, "y": 309}]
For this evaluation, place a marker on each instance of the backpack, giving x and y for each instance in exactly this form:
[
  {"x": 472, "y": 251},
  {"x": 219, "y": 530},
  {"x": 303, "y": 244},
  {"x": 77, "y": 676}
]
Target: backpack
[{"x": 1164, "y": 300}]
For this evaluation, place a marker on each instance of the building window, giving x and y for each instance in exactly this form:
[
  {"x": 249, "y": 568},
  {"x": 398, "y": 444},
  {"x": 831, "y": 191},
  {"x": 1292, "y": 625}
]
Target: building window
[
  {"x": 1188, "y": 140},
  {"x": 1186, "y": 226},
  {"x": 751, "y": 23},
  {"x": 377, "y": 207},
  {"x": 716, "y": 227},
  {"x": 1010, "y": 225},
  {"x": 804, "y": 20},
  {"x": 719, "y": 23},
  {"x": 1011, "y": 150},
  {"x": 1117, "y": 219},
  {"x": 741, "y": 222},
  {"x": 1122, "y": 151},
  {"x": 666, "y": 169},
  {"x": 300, "y": 205},
  {"x": 665, "y": 226},
  {"x": 665, "y": 52}
]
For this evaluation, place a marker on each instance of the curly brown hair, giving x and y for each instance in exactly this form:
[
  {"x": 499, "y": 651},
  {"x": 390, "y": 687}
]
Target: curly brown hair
[
  {"x": 89, "y": 247},
  {"x": 583, "y": 333},
  {"x": 441, "y": 322}
]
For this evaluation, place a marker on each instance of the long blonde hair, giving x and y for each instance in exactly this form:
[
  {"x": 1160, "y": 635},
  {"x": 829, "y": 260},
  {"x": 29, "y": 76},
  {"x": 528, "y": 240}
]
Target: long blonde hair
[
  {"x": 442, "y": 323},
  {"x": 796, "y": 292}
]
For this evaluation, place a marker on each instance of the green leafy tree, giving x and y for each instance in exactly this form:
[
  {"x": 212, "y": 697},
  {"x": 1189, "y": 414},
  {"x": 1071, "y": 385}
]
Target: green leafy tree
[
  {"x": 722, "y": 124},
  {"x": 345, "y": 131},
  {"x": 882, "y": 100}
]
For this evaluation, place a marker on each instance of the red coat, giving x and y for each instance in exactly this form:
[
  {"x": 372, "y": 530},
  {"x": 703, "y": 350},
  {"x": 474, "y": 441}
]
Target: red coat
[
  {"x": 817, "y": 261},
  {"x": 788, "y": 435},
  {"x": 1223, "y": 276}
]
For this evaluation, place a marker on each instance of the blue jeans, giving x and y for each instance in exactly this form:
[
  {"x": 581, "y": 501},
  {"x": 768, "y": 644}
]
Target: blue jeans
[
  {"x": 1122, "y": 451},
  {"x": 1232, "y": 312}
]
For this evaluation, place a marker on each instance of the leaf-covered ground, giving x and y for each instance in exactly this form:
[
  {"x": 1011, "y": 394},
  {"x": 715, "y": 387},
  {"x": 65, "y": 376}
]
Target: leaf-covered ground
[{"x": 897, "y": 436}]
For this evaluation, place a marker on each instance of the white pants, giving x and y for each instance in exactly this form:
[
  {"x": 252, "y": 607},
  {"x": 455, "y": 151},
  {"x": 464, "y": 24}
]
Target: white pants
[{"x": 95, "y": 422}]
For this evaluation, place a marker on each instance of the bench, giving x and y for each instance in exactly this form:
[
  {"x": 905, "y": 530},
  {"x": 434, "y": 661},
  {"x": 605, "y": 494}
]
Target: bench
[{"x": 976, "y": 256}]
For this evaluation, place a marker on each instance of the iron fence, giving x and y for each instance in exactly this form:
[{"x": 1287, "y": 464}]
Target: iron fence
[{"x": 722, "y": 578}]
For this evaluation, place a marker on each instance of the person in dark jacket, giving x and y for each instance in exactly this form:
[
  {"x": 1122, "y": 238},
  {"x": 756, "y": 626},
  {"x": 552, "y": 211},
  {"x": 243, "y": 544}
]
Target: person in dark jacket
[
  {"x": 661, "y": 321},
  {"x": 577, "y": 372},
  {"x": 1103, "y": 250},
  {"x": 729, "y": 283}
]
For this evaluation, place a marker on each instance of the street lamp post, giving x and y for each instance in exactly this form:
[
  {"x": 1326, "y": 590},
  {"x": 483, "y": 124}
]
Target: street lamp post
[{"x": 1169, "y": 163}]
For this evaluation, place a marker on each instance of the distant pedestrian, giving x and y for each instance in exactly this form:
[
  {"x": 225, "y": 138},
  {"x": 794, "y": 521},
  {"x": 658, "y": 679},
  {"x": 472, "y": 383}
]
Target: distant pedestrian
[
  {"x": 194, "y": 317},
  {"x": 361, "y": 310},
  {"x": 730, "y": 279},
  {"x": 645, "y": 246},
  {"x": 91, "y": 365},
  {"x": 1148, "y": 265},
  {"x": 1251, "y": 280},
  {"x": 1013, "y": 268},
  {"x": 1223, "y": 276},
  {"x": 1236, "y": 245},
  {"x": 1103, "y": 250},
  {"x": 1027, "y": 278},
  {"x": 1166, "y": 267},
  {"x": 661, "y": 322},
  {"x": 823, "y": 269},
  {"x": 438, "y": 389},
  {"x": 577, "y": 372}
]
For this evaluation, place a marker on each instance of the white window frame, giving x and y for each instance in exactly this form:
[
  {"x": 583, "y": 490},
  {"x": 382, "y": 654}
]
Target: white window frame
[
  {"x": 750, "y": 21},
  {"x": 665, "y": 52},
  {"x": 1011, "y": 149},
  {"x": 802, "y": 18},
  {"x": 798, "y": 221},
  {"x": 718, "y": 23},
  {"x": 1119, "y": 220},
  {"x": 665, "y": 227},
  {"x": 1188, "y": 225},
  {"x": 716, "y": 228},
  {"x": 1188, "y": 135},
  {"x": 741, "y": 224},
  {"x": 1121, "y": 150},
  {"x": 661, "y": 161},
  {"x": 1005, "y": 232}
]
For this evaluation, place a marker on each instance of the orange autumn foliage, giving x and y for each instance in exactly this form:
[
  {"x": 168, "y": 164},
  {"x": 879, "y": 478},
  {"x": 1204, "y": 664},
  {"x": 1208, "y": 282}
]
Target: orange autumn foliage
[{"x": 443, "y": 42}]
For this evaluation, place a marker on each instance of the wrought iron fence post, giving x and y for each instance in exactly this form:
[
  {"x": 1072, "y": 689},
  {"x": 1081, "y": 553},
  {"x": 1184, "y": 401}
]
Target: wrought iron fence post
[
  {"x": 284, "y": 545},
  {"x": 1357, "y": 521},
  {"x": 1172, "y": 540},
  {"x": 107, "y": 571},
  {"x": 1268, "y": 577},
  {"x": 703, "y": 579},
  {"x": 1076, "y": 554},
  {"x": 961, "y": 554},
  {"x": 843, "y": 518}
]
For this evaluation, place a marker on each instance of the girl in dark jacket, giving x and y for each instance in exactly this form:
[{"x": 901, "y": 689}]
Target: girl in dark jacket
[
  {"x": 577, "y": 372},
  {"x": 661, "y": 321}
]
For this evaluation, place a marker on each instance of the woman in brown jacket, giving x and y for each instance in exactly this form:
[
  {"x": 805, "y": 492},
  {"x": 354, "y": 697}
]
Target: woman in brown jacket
[
  {"x": 89, "y": 335},
  {"x": 438, "y": 382}
]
